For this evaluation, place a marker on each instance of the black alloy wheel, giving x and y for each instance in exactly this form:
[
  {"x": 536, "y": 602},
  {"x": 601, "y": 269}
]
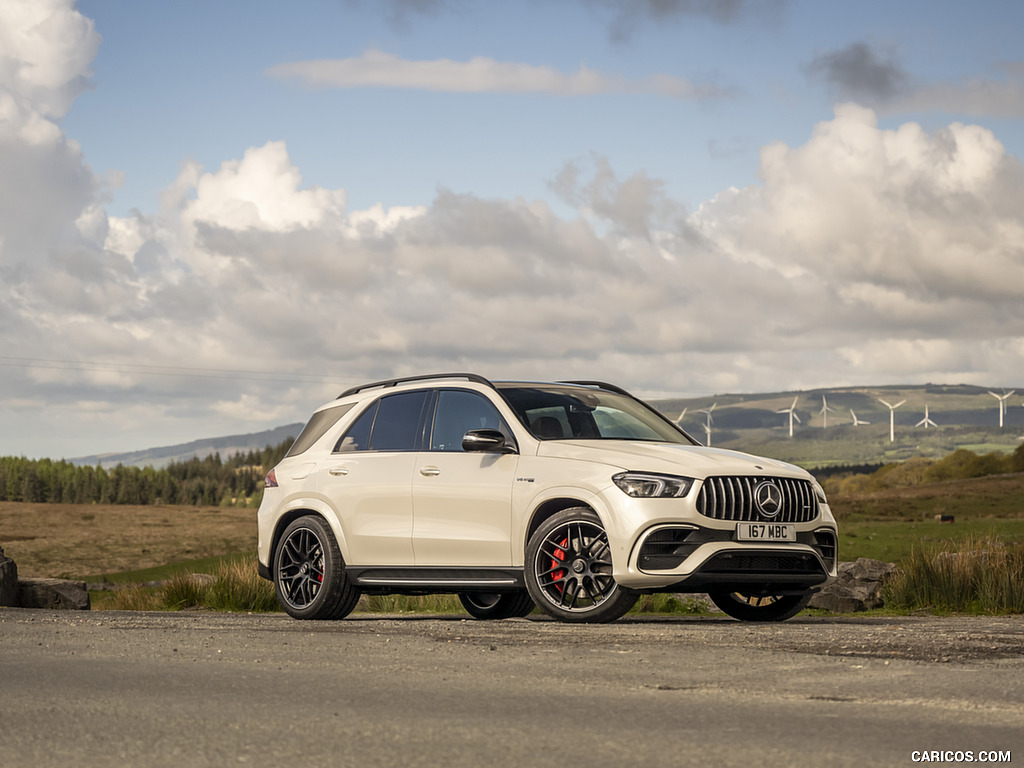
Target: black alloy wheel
[
  {"x": 569, "y": 569},
  {"x": 309, "y": 572}
]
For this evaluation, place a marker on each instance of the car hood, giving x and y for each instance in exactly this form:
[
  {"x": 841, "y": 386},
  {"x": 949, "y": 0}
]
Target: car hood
[{"x": 695, "y": 461}]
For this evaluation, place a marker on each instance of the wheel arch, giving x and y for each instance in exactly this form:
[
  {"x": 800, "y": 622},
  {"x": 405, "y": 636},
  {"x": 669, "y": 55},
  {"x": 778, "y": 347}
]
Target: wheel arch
[
  {"x": 548, "y": 508},
  {"x": 304, "y": 510}
]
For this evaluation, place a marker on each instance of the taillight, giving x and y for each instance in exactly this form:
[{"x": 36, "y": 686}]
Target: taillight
[{"x": 271, "y": 480}]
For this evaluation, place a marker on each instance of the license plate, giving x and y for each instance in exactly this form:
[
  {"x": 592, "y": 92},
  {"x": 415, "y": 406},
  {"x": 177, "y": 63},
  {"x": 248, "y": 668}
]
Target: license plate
[{"x": 765, "y": 532}]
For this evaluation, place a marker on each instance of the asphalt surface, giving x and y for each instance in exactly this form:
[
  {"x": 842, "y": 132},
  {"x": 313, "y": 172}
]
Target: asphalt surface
[{"x": 204, "y": 689}]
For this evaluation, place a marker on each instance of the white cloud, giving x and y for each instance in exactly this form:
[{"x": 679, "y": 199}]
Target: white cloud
[
  {"x": 45, "y": 51},
  {"x": 261, "y": 191},
  {"x": 936, "y": 217},
  {"x": 46, "y": 48},
  {"x": 859, "y": 235},
  {"x": 377, "y": 69}
]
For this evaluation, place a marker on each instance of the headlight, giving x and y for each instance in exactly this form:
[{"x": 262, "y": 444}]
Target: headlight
[
  {"x": 642, "y": 485},
  {"x": 819, "y": 492}
]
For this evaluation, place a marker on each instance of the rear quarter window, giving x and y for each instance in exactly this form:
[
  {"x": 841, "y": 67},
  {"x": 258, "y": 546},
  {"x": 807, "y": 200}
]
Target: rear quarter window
[{"x": 317, "y": 428}]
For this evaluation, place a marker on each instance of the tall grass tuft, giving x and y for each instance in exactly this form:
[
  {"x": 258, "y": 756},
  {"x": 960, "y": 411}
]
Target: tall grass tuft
[
  {"x": 234, "y": 586},
  {"x": 980, "y": 575},
  {"x": 240, "y": 588},
  {"x": 184, "y": 591}
]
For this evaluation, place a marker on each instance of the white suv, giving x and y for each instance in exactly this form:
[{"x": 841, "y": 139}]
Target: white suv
[{"x": 574, "y": 496}]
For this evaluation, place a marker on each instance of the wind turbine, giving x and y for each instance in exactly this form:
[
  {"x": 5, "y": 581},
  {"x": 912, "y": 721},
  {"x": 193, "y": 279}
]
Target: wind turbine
[
  {"x": 709, "y": 422},
  {"x": 1002, "y": 404},
  {"x": 926, "y": 422},
  {"x": 792, "y": 414},
  {"x": 682, "y": 416},
  {"x": 824, "y": 412},
  {"x": 892, "y": 417},
  {"x": 856, "y": 421}
]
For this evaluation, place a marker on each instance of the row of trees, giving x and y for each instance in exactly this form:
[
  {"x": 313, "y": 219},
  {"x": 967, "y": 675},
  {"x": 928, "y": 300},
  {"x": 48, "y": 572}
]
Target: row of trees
[{"x": 212, "y": 481}]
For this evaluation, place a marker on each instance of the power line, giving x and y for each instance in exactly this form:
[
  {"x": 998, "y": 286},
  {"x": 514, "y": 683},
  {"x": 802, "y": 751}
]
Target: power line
[{"x": 141, "y": 369}]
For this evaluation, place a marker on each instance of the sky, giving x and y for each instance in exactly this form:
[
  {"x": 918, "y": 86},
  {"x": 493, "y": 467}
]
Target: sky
[{"x": 214, "y": 217}]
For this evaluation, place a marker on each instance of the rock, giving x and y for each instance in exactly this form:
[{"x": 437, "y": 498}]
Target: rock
[
  {"x": 53, "y": 594},
  {"x": 858, "y": 588},
  {"x": 8, "y": 580}
]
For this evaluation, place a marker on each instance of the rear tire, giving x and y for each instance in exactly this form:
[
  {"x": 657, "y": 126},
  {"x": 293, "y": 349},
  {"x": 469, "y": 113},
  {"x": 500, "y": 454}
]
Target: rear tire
[
  {"x": 309, "y": 572},
  {"x": 760, "y": 607},
  {"x": 496, "y": 605}
]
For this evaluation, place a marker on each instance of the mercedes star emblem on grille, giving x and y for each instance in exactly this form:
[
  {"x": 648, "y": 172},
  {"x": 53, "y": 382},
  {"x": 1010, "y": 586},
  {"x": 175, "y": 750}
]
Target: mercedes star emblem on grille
[{"x": 768, "y": 497}]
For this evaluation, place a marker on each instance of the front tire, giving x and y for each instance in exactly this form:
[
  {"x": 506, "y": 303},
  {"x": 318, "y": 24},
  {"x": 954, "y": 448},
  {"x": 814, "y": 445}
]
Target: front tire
[
  {"x": 309, "y": 572},
  {"x": 760, "y": 607},
  {"x": 569, "y": 569},
  {"x": 496, "y": 605}
]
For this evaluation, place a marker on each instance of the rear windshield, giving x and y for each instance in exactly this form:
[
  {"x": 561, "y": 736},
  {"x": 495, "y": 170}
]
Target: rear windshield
[
  {"x": 317, "y": 427},
  {"x": 564, "y": 412}
]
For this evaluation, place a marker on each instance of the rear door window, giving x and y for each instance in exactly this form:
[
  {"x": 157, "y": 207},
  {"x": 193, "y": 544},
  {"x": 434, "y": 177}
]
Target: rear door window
[{"x": 393, "y": 423}]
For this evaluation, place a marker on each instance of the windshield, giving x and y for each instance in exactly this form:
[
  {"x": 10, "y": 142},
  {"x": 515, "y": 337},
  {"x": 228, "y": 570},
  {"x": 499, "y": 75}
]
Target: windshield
[{"x": 565, "y": 412}]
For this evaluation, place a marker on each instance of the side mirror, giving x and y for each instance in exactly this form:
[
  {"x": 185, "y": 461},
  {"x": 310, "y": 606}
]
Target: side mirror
[{"x": 485, "y": 441}]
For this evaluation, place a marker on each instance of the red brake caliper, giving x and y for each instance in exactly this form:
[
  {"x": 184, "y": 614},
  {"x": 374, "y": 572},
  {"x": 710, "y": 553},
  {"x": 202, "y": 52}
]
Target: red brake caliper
[{"x": 557, "y": 576}]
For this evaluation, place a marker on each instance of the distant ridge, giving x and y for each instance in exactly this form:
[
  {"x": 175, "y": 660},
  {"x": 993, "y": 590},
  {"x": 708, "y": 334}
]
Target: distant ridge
[{"x": 225, "y": 446}]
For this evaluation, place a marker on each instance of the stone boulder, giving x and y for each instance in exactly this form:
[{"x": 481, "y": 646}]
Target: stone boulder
[
  {"x": 8, "y": 580},
  {"x": 53, "y": 594},
  {"x": 858, "y": 588}
]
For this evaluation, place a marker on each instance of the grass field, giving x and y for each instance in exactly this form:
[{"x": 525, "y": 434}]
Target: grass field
[
  {"x": 73, "y": 540},
  {"x": 888, "y": 525}
]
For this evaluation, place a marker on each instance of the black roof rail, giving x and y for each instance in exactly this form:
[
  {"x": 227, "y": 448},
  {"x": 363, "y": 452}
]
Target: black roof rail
[
  {"x": 602, "y": 385},
  {"x": 406, "y": 379}
]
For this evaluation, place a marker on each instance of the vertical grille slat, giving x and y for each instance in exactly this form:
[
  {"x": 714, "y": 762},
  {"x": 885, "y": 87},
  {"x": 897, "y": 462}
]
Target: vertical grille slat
[{"x": 733, "y": 498}]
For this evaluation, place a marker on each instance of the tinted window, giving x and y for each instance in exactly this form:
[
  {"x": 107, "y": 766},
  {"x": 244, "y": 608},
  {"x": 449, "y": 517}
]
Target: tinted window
[
  {"x": 317, "y": 428},
  {"x": 459, "y": 411},
  {"x": 358, "y": 436},
  {"x": 397, "y": 426},
  {"x": 393, "y": 423}
]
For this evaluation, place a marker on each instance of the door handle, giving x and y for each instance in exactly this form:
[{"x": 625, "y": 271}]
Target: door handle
[
  {"x": 430, "y": 471},
  {"x": 337, "y": 471}
]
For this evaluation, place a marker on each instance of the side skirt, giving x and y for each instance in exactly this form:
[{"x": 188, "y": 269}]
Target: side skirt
[{"x": 374, "y": 580}]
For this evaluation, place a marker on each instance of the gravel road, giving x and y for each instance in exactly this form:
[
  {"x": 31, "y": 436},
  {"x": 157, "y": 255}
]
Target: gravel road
[{"x": 205, "y": 689}]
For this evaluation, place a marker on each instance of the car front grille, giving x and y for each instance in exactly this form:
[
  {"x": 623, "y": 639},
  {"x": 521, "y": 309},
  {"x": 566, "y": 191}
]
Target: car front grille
[{"x": 733, "y": 498}]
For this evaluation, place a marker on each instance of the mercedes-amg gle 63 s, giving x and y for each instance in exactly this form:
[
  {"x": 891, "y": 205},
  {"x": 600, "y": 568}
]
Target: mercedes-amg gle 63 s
[{"x": 575, "y": 497}]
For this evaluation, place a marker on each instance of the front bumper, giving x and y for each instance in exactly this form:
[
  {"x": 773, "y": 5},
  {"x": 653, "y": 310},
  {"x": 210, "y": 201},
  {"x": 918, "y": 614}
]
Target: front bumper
[{"x": 688, "y": 557}]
